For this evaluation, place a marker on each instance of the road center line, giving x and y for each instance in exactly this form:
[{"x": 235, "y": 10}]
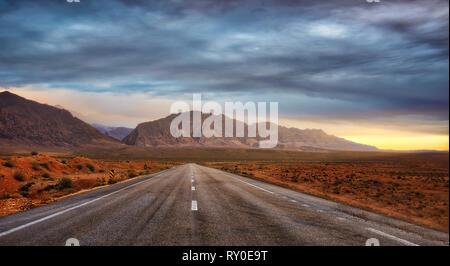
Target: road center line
[
  {"x": 193, "y": 188},
  {"x": 194, "y": 205},
  {"x": 70, "y": 209},
  {"x": 392, "y": 237}
]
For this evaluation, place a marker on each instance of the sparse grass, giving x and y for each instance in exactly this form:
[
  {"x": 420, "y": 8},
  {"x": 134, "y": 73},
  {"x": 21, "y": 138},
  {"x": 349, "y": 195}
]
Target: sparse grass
[
  {"x": 5, "y": 195},
  {"x": 64, "y": 183},
  {"x": 45, "y": 165},
  {"x": 35, "y": 166},
  {"x": 79, "y": 166},
  {"x": 261, "y": 156},
  {"x": 46, "y": 175},
  {"x": 8, "y": 164},
  {"x": 90, "y": 167},
  {"x": 99, "y": 182},
  {"x": 19, "y": 176},
  {"x": 131, "y": 173},
  {"x": 26, "y": 187},
  {"x": 411, "y": 187},
  {"x": 49, "y": 187}
]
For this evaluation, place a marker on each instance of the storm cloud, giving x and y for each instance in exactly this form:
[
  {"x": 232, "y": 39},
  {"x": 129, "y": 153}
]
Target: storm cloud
[{"x": 321, "y": 58}]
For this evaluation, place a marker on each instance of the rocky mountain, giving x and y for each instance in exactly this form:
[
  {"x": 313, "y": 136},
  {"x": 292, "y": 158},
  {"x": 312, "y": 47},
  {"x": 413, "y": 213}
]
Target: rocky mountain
[
  {"x": 157, "y": 134},
  {"x": 118, "y": 133},
  {"x": 25, "y": 123}
]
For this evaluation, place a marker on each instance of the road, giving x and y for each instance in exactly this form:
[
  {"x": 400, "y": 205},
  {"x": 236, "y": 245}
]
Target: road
[{"x": 195, "y": 205}]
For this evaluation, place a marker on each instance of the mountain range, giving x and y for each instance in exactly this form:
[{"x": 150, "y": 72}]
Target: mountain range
[
  {"x": 157, "y": 134},
  {"x": 118, "y": 133},
  {"x": 28, "y": 123}
]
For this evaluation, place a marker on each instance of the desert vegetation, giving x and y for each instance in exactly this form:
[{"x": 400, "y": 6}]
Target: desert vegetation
[
  {"x": 413, "y": 187},
  {"x": 409, "y": 186},
  {"x": 33, "y": 180}
]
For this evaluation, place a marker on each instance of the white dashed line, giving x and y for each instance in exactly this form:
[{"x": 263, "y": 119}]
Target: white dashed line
[
  {"x": 193, "y": 188},
  {"x": 391, "y": 237},
  {"x": 306, "y": 205},
  {"x": 293, "y": 200},
  {"x": 194, "y": 205}
]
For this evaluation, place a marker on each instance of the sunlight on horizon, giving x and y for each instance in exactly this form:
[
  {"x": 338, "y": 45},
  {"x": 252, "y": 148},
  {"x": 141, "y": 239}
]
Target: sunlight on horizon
[
  {"x": 420, "y": 142},
  {"x": 111, "y": 109}
]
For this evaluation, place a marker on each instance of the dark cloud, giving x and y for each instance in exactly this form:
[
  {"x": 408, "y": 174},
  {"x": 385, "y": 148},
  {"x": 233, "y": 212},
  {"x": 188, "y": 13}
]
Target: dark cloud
[{"x": 379, "y": 58}]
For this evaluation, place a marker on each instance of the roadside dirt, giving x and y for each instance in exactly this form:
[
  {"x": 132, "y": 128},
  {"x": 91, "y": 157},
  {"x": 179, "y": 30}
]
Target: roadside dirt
[
  {"x": 412, "y": 190},
  {"x": 31, "y": 181}
]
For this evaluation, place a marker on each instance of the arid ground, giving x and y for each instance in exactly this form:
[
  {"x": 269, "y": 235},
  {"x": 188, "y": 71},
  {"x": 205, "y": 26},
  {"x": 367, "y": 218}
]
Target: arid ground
[
  {"x": 410, "y": 186},
  {"x": 30, "y": 181},
  {"x": 413, "y": 189}
]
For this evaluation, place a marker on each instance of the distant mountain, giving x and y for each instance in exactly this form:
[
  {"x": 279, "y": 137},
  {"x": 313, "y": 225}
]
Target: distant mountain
[
  {"x": 157, "y": 134},
  {"x": 118, "y": 133},
  {"x": 297, "y": 138},
  {"x": 25, "y": 123}
]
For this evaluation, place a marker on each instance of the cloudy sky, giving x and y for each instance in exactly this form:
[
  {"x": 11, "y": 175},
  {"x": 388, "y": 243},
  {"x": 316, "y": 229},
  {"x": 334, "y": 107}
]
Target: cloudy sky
[{"x": 376, "y": 73}]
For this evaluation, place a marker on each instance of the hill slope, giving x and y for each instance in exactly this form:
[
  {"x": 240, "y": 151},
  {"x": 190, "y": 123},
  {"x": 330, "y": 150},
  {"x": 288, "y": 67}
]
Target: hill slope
[
  {"x": 118, "y": 133},
  {"x": 26, "y": 123}
]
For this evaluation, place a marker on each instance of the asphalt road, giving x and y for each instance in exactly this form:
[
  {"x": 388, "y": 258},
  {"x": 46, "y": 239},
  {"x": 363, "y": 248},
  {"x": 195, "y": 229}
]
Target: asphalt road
[{"x": 196, "y": 205}]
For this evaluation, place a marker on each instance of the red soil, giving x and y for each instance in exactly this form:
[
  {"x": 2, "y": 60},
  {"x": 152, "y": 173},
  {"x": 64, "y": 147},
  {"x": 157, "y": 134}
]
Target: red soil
[
  {"x": 416, "y": 191},
  {"x": 27, "y": 182}
]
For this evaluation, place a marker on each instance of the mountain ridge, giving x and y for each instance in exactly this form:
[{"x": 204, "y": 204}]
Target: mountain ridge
[
  {"x": 118, "y": 133},
  {"x": 25, "y": 122},
  {"x": 156, "y": 133}
]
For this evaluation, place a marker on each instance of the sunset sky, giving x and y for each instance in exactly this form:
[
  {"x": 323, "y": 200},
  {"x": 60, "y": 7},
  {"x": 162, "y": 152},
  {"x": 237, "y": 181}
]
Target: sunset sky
[{"x": 374, "y": 73}]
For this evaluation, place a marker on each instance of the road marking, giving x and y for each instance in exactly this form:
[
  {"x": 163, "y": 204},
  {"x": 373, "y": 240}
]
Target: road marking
[
  {"x": 70, "y": 209},
  {"x": 372, "y": 242},
  {"x": 72, "y": 242},
  {"x": 392, "y": 237},
  {"x": 251, "y": 185},
  {"x": 193, "y": 188},
  {"x": 293, "y": 200},
  {"x": 194, "y": 205},
  {"x": 306, "y": 205}
]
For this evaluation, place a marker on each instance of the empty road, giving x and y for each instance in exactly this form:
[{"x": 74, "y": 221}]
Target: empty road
[{"x": 195, "y": 205}]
